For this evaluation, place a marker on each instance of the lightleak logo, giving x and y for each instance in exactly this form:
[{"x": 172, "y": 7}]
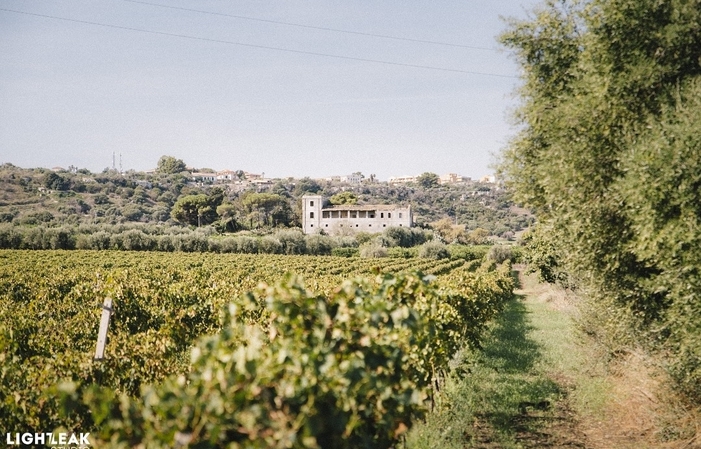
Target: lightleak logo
[{"x": 59, "y": 440}]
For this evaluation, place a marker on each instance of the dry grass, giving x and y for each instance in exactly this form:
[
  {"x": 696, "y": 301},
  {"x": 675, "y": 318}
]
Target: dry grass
[{"x": 624, "y": 402}]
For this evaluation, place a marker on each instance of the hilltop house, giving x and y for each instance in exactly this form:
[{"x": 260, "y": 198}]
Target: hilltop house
[{"x": 319, "y": 215}]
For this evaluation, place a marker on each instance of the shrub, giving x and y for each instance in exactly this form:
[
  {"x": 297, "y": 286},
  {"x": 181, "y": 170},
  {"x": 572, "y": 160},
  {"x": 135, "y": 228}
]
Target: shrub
[
  {"x": 434, "y": 250},
  {"x": 136, "y": 240},
  {"x": 407, "y": 237},
  {"x": 345, "y": 252},
  {"x": 165, "y": 243},
  {"x": 269, "y": 245},
  {"x": 100, "y": 240},
  {"x": 190, "y": 243},
  {"x": 228, "y": 245},
  {"x": 61, "y": 238},
  {"x": 9, "y": 237},
  {"x": 406, "y": 253},
  {"x": 466, "y": 252},
  {"x": 372, "y": 250},
  {"x": 320, "y": 245},
  {"x": 292, "y": 241},
  {"x": 246, "y": 244},
  {"x": 500, "y": 253}
]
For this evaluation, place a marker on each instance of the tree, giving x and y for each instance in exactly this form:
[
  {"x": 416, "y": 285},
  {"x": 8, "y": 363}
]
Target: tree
[
  {"x": 428, "y": 180},
  {"x": 344, "y": 198},
  {"x": 270, "y": 208},
  {"x": 170, "y": 165},
  {"x": 55, "y": 181},
  {"x": 307, "y": 185},
  {"x": 608, "y": 154},
  {"x": 197, "y": 210}
]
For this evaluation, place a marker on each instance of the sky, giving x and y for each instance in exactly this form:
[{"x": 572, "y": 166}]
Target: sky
[{"x": 285, "y": 88}]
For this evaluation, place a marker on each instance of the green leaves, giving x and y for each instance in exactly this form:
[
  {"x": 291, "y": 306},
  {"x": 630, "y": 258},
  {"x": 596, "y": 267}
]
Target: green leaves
[
  {"x": 350, "y": 364},
  {"x": 608, "y": 155}
]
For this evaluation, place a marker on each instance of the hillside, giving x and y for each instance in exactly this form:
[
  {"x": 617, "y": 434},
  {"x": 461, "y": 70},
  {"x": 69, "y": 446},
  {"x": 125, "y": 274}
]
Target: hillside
[{"x": 30, "y": 197}]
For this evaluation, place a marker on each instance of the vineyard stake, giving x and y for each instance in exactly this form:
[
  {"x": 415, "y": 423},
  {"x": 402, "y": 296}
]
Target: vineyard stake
[{"x": 107, "y": 312}]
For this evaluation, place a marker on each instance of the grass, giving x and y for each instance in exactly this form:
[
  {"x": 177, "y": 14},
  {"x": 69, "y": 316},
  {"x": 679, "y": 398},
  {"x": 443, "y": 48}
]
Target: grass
[
  {"x": 513, "y": 393},
  {"x": 539, "y": 383}
]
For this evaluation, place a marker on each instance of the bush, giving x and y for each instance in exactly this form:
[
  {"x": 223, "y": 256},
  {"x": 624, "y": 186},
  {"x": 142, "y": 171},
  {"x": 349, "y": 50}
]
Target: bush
[
  {"x": 136, "y": 240},
  {"x": 372, "y": 250},
  {"x": 434, "y": 250},
  {"x": 320, "y": 245},
  {"x": 246, "y": 244},
  {"x": 292, "y": 241},
  {"x": 407, "y": 237},
  {"x": 191, "y": 243},
  {"x": 500, "y": 253},
  {"x": 345, "y": 252},
  {"x": 269, "y": 245},
  {"x": 468, "y": 253},
  {"x": 165, "y": 243},
  {"x": 100, "y": 240},
  {"x": 228, "y": 245},
  {"x": 61, "y": 238},
  {"x": 363, "y": 237},
  {"x": 405, "y": 253}
]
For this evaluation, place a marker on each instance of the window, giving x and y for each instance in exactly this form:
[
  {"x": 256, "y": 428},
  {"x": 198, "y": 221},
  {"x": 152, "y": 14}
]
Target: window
[
  {"x": 311, "y": 204},
  {"x": 325, "y": 214},
  {"x": 371, "y": 215},
  {"x": 389, "y": 215},
  {"x": 400, "y": 224},
  {"x": 311, "y": 225},
  {"x": 400, "y": 215},
  {"x": 384, "y": 225},
  {"x": 382, "y": 215},
  {"x": 369, "y": 226},
  {"x": 311, "y": 214}
]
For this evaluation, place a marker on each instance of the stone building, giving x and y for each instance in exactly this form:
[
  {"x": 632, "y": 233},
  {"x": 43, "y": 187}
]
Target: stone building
[{"x": 319, "y": 215}]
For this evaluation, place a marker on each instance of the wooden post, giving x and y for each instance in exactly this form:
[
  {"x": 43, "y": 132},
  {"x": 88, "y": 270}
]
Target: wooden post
[{"x": 104, "y": 324}]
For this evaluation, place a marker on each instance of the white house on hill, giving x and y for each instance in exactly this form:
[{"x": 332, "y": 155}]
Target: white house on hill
[{"x": 319, "y": 215}]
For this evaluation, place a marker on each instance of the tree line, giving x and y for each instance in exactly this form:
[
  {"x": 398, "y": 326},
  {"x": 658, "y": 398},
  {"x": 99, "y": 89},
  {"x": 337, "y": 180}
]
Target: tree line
[{"x": 609, "y": 156}]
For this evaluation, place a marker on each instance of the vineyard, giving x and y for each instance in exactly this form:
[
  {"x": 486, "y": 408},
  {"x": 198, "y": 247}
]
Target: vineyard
[{"x": 231, "y": 350}]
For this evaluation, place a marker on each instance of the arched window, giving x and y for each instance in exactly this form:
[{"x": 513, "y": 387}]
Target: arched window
[{"x": 311, "y": 214}]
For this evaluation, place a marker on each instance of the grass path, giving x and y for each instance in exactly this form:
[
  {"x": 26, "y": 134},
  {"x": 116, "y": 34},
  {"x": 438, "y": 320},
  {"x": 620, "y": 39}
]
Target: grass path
[
  {"x": 513, "y": 393},
  {"x": 535, "y": 385}
]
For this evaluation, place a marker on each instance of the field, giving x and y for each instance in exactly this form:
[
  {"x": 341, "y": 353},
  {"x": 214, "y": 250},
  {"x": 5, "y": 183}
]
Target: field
[{"x": 312, "y": 359}]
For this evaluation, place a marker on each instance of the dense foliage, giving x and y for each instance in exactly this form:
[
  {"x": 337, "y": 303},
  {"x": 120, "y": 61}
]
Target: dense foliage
[
  {"x": 329, "y": 363},
  {"x": 610, "y": 155}
]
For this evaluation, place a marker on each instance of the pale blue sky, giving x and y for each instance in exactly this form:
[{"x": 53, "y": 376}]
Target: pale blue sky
[{"x": 72, "y": 93}]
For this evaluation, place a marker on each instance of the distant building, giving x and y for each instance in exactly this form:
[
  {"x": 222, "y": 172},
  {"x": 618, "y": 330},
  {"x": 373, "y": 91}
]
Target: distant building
[
  {"x": 453, "y": 178},
  {"x": 203, "y": 177},
  {"x": 227, "y": 175},
  {"x": 401, "y": 179},
  {"x": 489, "y": 178},
  {"x": 355, "y": 178},
  {"x": 319, "y": 215},
  {"x": 252, "y": 176}
]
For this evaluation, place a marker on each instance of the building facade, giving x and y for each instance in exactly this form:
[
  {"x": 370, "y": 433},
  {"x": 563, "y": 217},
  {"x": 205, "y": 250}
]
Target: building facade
[{"x": 318, "y": 216}]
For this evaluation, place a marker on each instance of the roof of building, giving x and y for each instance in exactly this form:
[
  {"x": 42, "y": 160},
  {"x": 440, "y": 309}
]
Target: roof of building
[{"x": 365, "y": 207}]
